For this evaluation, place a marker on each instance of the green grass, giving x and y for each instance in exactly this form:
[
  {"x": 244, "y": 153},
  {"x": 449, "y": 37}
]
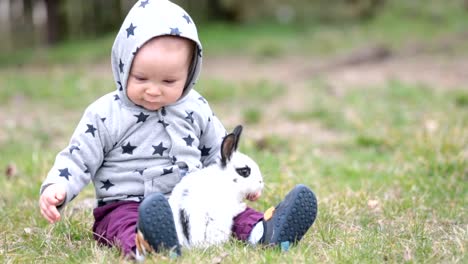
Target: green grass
[
  {"x": 76, "y": 51},
  {"x": 393, "y": 187},
  {"x": 393, "y": 195},
  {"x": 73, "y": 86},
  {"x": 221, "y": 91}
]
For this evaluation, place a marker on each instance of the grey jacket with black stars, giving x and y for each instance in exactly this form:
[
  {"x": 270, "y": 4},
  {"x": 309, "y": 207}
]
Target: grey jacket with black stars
[{"x": 126, "y": 150}]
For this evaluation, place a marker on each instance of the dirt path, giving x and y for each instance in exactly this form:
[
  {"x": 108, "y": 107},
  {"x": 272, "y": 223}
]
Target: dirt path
[{"x": 367, "y": 67}]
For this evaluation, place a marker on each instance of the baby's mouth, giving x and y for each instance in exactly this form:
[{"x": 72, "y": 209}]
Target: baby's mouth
[{"x": 151, "y": 100}]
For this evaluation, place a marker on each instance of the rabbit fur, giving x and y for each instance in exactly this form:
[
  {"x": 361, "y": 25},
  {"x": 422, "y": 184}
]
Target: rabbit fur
[{"x": 205, "y": 202}]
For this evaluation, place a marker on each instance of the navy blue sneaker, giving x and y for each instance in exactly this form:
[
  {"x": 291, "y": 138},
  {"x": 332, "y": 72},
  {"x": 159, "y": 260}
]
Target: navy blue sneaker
[
  {"x": 288, "y": 222},
  {"x": 156, "y": 229}
]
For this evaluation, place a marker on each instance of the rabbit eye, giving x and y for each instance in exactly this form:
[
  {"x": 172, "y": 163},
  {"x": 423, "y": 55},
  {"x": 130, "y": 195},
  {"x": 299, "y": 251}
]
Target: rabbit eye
[{"x": 244, "y": 171}]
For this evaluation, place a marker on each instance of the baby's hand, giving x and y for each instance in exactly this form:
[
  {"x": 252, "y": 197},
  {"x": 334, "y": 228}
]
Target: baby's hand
[{"x": 53, "y": 196}]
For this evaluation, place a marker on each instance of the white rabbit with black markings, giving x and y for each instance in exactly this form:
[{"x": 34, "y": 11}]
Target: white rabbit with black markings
[{"x": 205, "y": 202}]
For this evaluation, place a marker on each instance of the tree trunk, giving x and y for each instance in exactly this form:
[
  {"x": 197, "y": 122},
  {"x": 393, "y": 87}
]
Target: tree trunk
[
  {"x": 28, "y": 12},
  {"x": 218, "y": 11},
  {"x": 108, "y": 16},
  {"x": 56, "y": 21}
]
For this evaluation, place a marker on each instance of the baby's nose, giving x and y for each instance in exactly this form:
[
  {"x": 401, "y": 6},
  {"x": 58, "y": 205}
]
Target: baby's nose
[{"x": 153, "y": 91}]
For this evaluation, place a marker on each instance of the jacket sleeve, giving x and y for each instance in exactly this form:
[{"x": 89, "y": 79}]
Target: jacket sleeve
[
  {"x": 77, "y": 164},
  {"x": 211, "y": 138}
]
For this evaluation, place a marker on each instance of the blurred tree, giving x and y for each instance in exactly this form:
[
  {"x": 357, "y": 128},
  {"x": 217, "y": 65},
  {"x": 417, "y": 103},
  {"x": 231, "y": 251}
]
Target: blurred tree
[
  {"x": 28, "y": 11},
  {"x": 107, "y": 14},
  {"x": 97, "y": 18},
  {"x": 220, "y": 10},
  {"x": 74, "y": 20},
  {"x": 57, "y": 23},
  {"x": 242, "y": 11},
  {"x": 84, "y": 19},
  {"x": 20, "y": 22}
]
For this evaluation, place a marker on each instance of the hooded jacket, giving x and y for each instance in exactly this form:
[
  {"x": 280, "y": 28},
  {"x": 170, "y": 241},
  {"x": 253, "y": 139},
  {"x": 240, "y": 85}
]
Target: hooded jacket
[{"x": 126, "y": 150}]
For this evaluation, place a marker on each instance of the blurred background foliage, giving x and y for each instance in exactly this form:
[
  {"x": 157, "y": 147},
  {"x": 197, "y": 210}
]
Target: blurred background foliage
[{"x": 31, "y": 23}]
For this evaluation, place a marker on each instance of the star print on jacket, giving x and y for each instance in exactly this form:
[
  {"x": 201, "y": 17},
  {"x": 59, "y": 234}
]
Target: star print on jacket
[
  {"x": 107, "y": 184},
  {"x": 189, "y": 140},
  {"x": 187, "y": 18},
  {"x": 141, "y": 117},
  {"x": 140, "y": 171},
  {"x": 189, "y": 116},
  {"x": 163, "y": 123},
  {"x": 202, "y": 99},
  {"x": 64, "y": 173},
  {"x": 144, "y": 3},
  {"x": 131, "y": 30},
  {"x": 128, "y": 149},
  {"x": 90, "y": 129},
  {"x": 175, "y": 31},
  {"x": 86, "y": 168},
  {"x": 205, "y": 151},
  {"x": 159, "y": 149},
  {"x": 165, "y": 171},
  {"x": 121, "y": 66}
]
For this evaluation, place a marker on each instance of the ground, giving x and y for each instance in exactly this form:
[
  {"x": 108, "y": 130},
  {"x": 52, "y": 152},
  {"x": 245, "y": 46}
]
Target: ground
[
  {"x": 362, "y": 68},
  {"x": 439, "y": 68},
  {"x": 389, "y": 186}
]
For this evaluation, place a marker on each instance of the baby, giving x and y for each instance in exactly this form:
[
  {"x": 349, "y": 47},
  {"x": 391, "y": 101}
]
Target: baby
[{"x": 136, "y": 143}]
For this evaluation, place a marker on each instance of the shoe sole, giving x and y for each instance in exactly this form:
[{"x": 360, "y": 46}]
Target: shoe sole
[
  {"x": 294, "y": 215},
  {"x": 156, "y": 223}
]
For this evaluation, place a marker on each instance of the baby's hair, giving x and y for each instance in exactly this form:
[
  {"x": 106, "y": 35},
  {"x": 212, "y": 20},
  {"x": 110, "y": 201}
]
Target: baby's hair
[
  {"x": 192, "y": 56},
  {"x": 193, "y": 62}
]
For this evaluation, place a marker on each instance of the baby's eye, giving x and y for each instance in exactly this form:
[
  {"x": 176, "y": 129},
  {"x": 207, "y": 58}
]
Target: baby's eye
[
  {"x": 169, "y": 81},
  {"x": 139, "y": 78}
]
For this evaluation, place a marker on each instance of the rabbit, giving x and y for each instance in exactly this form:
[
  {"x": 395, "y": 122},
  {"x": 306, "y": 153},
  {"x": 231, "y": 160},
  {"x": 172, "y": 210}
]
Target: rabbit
[{"x": 205, "y": 202}]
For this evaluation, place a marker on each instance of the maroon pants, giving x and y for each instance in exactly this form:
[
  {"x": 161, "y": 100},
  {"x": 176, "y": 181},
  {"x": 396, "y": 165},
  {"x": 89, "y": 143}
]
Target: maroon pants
[{"x": 115, "y": 224}]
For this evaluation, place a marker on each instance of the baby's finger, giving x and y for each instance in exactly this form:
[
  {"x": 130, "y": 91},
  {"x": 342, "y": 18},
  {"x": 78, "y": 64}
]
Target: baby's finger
[
  {"x": 50, "y": 212},
  {"x": 52, "y": 200},
  {"x": 60, "y": 197},
  {"x": 46, "y": 215},
  {"x": 55, "y": 215}
]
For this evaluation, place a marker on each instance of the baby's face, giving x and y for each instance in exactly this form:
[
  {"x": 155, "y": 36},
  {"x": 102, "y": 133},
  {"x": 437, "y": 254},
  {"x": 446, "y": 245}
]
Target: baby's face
[{"x": 159, "y": 72}]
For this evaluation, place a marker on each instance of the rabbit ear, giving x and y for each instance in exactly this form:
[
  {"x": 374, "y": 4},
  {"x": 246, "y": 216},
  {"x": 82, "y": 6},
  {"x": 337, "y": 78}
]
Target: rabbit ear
[
  {"x": 237, "y": 133},
  {"x": 229, "y": 145}
]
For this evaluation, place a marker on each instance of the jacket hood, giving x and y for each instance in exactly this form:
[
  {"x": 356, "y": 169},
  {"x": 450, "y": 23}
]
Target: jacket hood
[{"x": 145, "y": 20}]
